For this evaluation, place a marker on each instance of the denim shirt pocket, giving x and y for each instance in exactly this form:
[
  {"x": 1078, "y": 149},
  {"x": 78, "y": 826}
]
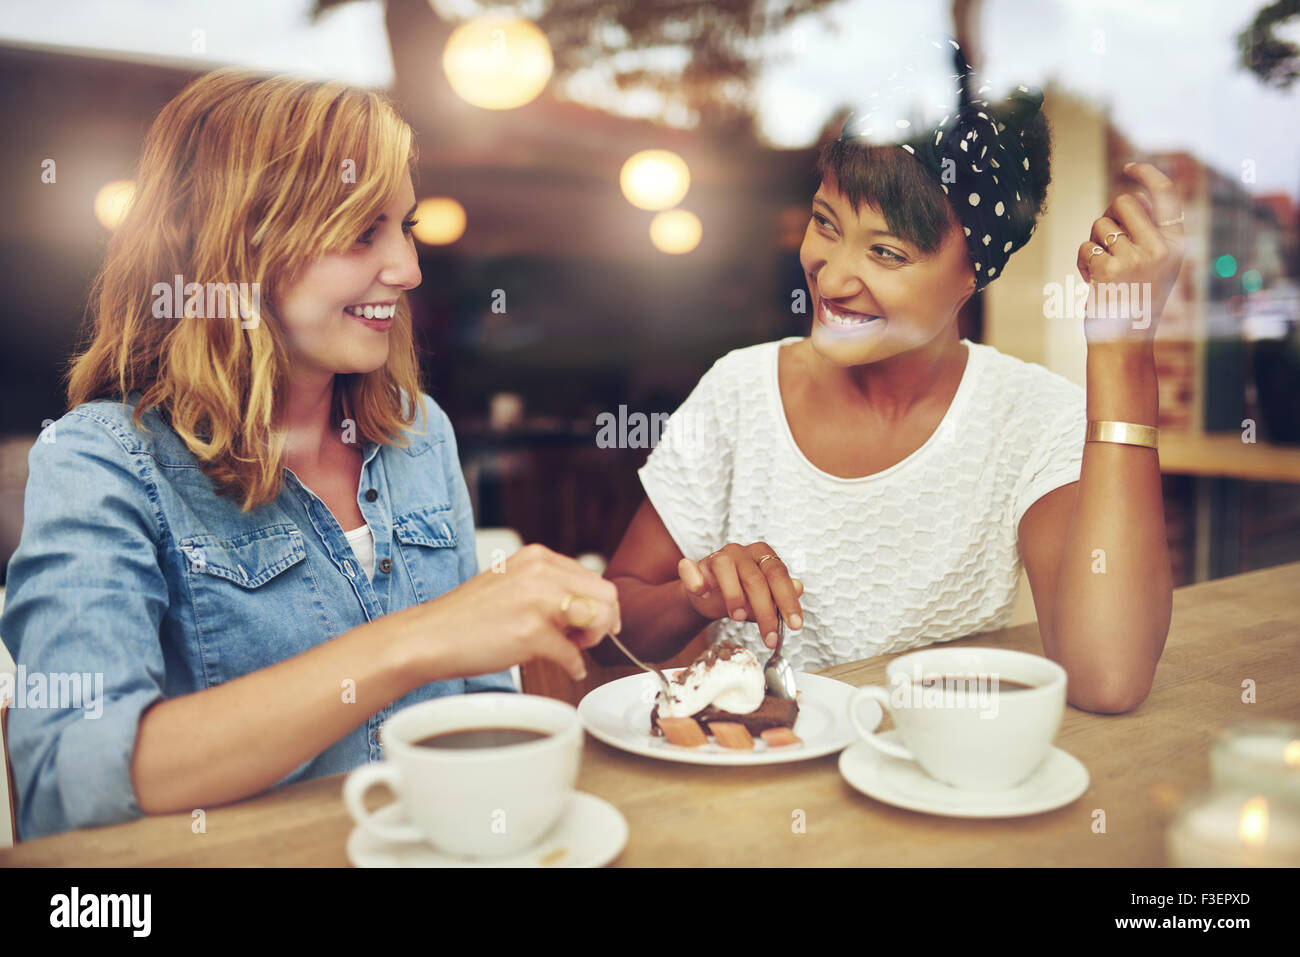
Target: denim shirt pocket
[
  {"x": 255, "y": 599},
  {"x": 428, "y": 543}
]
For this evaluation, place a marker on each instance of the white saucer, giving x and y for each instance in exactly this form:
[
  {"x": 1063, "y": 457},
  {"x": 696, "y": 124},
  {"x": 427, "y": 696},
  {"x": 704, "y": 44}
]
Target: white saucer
[
  {"x": 590, "y": 833},
  {"x": 1059, "y": 780}
]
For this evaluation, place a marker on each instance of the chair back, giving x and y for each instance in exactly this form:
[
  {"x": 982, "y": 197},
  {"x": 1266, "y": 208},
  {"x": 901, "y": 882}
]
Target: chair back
[{"x": 493, "y": 545}]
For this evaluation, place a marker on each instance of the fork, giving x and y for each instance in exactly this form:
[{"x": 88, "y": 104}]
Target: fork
[
  {"x": 653, "y": 669},
  {"x": 777, "y": 673}
]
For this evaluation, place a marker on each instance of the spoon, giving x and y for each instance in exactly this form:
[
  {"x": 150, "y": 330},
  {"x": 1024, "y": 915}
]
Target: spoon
[{"x": 777, "y": 672}]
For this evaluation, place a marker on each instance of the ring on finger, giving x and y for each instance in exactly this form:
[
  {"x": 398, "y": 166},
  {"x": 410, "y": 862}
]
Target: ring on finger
[
  {"x": 1111, "y": 237},
  {"x": 767, "y": 558},
  {"x": 1095, "y": 251},
  {"x": 591, "y": 610}
]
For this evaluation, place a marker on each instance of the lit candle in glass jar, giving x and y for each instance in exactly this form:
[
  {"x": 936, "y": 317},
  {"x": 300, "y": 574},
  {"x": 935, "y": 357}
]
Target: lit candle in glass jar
[
  {"x": 1259, "y": 756},
  {"x": 1234, "y": 829}
]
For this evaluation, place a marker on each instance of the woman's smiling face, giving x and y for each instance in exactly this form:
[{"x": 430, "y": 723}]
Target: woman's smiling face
[
  {"x": 323, "y": 309},
  {"x": 874, "y": 294}
]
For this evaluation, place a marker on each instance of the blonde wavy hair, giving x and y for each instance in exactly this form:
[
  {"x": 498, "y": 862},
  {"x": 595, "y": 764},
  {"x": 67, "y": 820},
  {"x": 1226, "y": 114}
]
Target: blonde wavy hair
[{"x": 243, "y": 177}]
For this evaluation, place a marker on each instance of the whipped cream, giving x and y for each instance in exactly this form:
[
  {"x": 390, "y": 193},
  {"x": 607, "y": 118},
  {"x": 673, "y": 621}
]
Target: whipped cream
[{"x": 727, "y": 676}]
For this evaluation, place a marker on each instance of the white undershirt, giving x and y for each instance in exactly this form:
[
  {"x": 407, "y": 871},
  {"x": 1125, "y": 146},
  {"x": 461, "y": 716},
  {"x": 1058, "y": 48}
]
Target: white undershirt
[
  {"x": 362, "y": 540},
  {"x": 923, "y": 551}
]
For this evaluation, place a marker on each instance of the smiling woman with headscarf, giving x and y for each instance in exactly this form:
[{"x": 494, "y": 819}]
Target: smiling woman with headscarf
[{"x": 882, "y": 483}]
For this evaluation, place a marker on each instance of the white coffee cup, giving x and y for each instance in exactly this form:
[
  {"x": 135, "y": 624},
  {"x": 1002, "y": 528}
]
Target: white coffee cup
[
  {"x": 978, "y": 736},
  {"x": 474, "y": 802}
]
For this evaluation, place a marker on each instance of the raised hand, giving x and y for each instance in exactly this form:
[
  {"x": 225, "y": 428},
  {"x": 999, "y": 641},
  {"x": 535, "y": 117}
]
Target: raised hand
[{"x": 1136, "y": 249}]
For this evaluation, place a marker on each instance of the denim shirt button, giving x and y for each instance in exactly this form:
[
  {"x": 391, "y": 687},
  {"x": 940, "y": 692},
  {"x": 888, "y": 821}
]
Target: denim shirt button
[
  {"x": 371, "y": 494},
  {"x": 385, "y": 565}
]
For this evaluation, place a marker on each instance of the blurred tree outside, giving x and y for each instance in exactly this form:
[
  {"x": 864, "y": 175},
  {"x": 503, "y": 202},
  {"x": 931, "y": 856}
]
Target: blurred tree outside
[{"x": 1275, "y": 61}]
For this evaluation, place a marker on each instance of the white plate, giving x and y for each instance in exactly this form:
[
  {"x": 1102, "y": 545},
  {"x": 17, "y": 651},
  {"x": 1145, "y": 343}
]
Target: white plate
[
  {"x": 590, "y": 833},
  {"x": 618, "y": 713},
  {"x": 1059, "y": 780}
]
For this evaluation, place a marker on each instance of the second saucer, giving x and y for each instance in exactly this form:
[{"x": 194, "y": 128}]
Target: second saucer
[{"x": 1059, "y": 780}]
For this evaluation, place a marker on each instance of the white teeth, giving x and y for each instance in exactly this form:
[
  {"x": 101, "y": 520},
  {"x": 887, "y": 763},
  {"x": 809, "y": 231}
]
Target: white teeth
[
  {"x": 836, "y": 319},
  {"x": 371, "y": 312}
]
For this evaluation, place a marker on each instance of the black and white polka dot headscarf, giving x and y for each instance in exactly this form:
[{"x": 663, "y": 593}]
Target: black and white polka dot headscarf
[{"x": 987, "y": 169}]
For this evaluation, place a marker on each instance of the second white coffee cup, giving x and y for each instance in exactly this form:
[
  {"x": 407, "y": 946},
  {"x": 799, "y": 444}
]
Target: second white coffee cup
[{"x": 981, "y": 735}]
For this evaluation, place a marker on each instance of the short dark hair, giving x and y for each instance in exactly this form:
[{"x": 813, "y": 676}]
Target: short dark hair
[{"x": 915, "y": 207}]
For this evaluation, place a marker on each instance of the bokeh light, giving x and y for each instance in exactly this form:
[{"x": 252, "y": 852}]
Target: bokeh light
[
  {"x": 1252, "y": 281},
  {"x": 655, "y": 179},
  {"x": 1225, "y": 266},
  {"x": 498, "y": 63},
  {"x": 676, "y": 231},
  {"x": 112, "y": 201},
  {"x": 441, "y": 221}
]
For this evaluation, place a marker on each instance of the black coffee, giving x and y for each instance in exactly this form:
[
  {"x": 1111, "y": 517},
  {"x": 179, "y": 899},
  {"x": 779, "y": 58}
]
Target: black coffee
[
  {"x": 480, "y": 738},
  {"x": 973, "y": 682}
]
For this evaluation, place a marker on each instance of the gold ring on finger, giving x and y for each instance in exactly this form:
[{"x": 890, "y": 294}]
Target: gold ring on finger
[
  {"x": 1095, "y": 251},
  {"x": 591, "y": 610},
  {"x": 1171, "y": 222},
  {"x": 766, "y": 558},
  {"x": 1111, "y": 237}
]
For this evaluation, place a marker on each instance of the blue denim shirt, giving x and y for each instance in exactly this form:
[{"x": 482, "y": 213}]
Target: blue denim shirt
[{"x": 130, "y": 566}]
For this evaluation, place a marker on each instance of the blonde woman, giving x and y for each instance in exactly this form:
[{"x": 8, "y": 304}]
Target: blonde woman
[
  {"x": 250, "y": 533},
  {"x": 881, "y": 483}
]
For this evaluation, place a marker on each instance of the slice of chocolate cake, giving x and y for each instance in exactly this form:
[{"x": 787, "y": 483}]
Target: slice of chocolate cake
[{"x": 772, "y": 713}]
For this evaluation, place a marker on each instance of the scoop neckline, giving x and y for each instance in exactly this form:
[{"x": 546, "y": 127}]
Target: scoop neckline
[{"x": 955, "y": 407}]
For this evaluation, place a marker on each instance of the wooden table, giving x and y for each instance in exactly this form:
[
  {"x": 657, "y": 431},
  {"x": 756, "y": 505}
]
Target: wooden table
[
  {"x": 1218, "y": 463},
  {"x": 1141, "y": 765}
]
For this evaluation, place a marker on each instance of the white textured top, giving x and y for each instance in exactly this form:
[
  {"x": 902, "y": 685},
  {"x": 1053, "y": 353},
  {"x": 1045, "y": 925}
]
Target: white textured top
[
  {"x": 924, "y": 551},
  {"x": 362, "y": 540}
]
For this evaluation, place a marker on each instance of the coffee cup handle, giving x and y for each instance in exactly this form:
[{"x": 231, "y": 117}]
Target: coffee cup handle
[
  {"x": 354, "y": 791},
  {"x": 880, "y": 696}
]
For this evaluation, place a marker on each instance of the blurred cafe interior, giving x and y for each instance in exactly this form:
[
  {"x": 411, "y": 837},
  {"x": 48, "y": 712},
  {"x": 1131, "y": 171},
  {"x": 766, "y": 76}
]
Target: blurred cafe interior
[{"x": 568, "y": 273}]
